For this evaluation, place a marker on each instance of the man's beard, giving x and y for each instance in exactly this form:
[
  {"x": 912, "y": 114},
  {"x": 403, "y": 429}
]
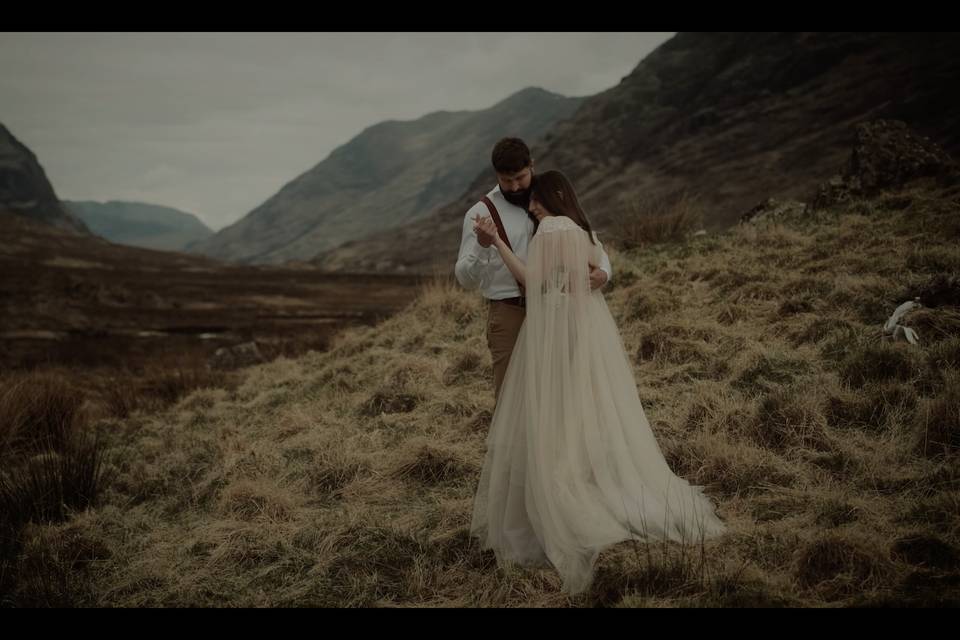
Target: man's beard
[{"x": 518, "y": 198}]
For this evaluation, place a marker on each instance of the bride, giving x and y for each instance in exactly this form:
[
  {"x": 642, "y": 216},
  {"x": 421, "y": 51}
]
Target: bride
[{"x": 572, "y": 465}]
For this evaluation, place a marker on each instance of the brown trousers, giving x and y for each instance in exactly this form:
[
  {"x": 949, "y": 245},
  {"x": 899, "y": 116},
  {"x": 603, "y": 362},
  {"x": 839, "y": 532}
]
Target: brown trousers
[{"x": 503, "y": 326}]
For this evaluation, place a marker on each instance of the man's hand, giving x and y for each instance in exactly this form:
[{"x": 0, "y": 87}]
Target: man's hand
[
  {"x": 597, "y": 277},
  {"x": 485, "y": 229}
]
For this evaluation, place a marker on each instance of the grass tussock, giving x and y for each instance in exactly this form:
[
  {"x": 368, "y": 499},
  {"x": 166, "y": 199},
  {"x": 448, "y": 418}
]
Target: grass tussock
[{"x": 646, "y": 222}]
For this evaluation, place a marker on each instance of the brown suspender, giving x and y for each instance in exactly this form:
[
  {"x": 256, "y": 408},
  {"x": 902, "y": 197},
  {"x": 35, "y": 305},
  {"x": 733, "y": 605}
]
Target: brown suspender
[
  {"x": 500, "y": 230},
  {"x": 497, "y": 221}
]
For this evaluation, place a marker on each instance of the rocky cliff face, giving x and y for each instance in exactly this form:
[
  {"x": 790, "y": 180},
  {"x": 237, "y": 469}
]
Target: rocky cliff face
[{"x": 24, "y": 188}]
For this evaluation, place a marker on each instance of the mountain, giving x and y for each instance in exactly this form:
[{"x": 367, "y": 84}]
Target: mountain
[
  {"x": 141, "y": 225},
  {"x": 25, "y": 190},
  {"x": 391, "y": 174},
  {"x": 731, "y": 118}
]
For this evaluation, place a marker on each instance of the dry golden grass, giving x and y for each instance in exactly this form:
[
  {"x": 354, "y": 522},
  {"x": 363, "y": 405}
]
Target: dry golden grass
[
  {"x": 51, "y": 466},
  {"x": 656, "y": 220},
  {"x": 346, "y": 477}
]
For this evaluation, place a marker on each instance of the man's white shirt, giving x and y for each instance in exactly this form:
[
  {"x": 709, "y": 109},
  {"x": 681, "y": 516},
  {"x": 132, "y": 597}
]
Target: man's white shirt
[{"x": 482, "y": 267}]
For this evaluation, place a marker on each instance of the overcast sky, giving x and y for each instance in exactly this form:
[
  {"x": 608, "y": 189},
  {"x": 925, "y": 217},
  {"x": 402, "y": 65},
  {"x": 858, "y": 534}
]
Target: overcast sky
[{"x": 214, "y": 124}]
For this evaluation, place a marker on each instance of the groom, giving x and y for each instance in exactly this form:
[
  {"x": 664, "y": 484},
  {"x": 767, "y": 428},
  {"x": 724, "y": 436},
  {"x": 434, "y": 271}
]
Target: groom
[{"x": 479, "y": 266}]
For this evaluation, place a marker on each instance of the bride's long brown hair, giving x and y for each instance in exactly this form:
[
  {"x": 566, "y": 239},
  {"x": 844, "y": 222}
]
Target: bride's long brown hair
[{"x": 553, "y": 190}]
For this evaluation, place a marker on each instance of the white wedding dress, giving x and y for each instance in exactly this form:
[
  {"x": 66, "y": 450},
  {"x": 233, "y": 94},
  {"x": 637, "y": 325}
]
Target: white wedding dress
[{"x": 572, "y": 465}]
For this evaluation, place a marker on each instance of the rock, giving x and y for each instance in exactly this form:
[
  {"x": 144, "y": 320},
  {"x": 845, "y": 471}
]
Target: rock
[
  {"x": 897, "y": 331},
  {"x": 886, "y": 155},
  {"x": 241, "y": 355},
  {"x": 773, "y": 209},
  {"x": 834, "y": 191}
]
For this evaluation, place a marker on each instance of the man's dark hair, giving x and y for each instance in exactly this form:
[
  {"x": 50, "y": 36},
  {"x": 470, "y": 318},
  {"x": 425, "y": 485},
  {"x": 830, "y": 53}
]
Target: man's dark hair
[{"x": 510, "y": 155}]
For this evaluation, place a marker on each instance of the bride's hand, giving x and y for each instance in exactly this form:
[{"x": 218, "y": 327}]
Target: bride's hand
[{"x": 598, "y": 277}]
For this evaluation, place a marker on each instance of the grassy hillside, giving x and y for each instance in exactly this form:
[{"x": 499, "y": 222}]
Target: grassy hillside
[{"x": 346, "y": 477}]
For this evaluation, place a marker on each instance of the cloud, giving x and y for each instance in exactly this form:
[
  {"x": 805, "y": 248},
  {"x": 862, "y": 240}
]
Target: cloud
[{"x": 216, "y": 123}]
